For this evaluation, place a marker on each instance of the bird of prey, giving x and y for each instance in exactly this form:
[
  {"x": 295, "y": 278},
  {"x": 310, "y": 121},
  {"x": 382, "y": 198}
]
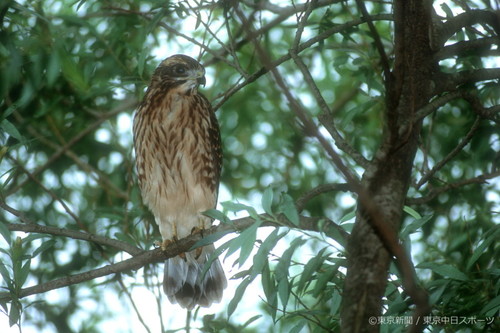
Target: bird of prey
[{"x": 178, "y": 158}]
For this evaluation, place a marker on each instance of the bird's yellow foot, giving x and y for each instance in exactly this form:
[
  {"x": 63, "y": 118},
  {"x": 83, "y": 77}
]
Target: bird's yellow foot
[
  {"x": 195, "y": 231},
  {"x": 166, "y": 243}
]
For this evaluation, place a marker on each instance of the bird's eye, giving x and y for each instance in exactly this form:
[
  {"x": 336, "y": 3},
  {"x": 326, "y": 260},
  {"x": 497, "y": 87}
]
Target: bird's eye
[{"x": 180, "y": 70}]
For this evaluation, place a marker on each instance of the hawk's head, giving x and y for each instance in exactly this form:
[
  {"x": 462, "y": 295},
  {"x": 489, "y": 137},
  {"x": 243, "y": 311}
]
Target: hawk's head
[{"x": 180, "y": 72}]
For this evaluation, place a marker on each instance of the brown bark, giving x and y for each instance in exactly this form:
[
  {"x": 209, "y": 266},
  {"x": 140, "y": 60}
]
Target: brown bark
[{"x": 387, "y": 178}]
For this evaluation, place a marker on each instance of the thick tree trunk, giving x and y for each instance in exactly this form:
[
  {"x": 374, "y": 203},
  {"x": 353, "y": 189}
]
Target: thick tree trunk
[{"x": 387, "y": 179}]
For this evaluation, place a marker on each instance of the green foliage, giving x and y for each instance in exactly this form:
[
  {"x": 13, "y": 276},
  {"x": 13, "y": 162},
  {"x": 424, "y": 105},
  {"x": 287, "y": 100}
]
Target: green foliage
[{"x": 71, "y": 75}]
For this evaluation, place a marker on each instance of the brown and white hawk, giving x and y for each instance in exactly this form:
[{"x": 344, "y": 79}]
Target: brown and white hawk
[{"x": 178, "y": 155}]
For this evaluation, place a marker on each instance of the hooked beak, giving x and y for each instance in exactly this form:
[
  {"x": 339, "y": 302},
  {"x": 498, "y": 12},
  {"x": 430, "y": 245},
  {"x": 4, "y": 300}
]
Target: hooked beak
[{"x": 201, "y": 80}]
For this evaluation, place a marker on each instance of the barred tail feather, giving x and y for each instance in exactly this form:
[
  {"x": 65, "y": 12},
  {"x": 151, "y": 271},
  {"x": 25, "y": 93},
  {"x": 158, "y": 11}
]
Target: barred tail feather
[{"x": 183, "y": 283}]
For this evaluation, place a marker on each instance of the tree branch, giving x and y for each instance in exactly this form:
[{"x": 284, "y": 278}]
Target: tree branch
[
  {"x": 434, "y": 105},
  {"x": 323, "y": 188},
  {"x": 30, "y": 226},
  {"x": 326, "y": 118},
  {"x": 127, "y": 104},
  {"x": 384, "y": 60},
  {"x": 101, "y": 240},
  {"x": 384, "y": 231},
  {"x": 275, "y": 63},
  {"x": 482, "y": 179},
  {"x": 450, "y": 82},
  {"x": 283, "y": 13},
  {"x": 142, "y": 258},
  {"x": 468, "y": 18},
  {"x": 476, "y": 47},
  {"x": 451, "y": 154}
]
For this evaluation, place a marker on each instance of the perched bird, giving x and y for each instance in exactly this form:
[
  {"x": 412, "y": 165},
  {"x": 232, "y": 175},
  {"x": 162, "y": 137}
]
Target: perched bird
[{"x": 178, "y": 157}]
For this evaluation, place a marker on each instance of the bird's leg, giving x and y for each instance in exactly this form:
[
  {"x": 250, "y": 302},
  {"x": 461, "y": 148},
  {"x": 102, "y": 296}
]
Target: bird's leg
[
  {"x": 175, "y": 239},
  {"x": 166, "y": 242},
  {"x": 197, "y": 230}
]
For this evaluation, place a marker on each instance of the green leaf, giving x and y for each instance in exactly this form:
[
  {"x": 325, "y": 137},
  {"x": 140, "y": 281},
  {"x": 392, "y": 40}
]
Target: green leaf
[
  {"x": 11, "y": 130},
  {"x": 5, "y": 233},
  {"x": 23, "y": 274},
  {"x": 124, "y": 238},
  {"x": 210, "y": 239},
  {"x": 251, "y": 320},
  {"x": 348, "y": 216},
  {"x": 288, "y": 208},
  {"x": 397, "y": 306},
  {"x": 414, "y": 225},
  {"x": 14, "y": 313},
  {"x": 237, "y": 296},
  {"x": 324, "y": 277},
  {"x": 260, "y": 259},
  {"x": 45, "y": 246},
  {"x": 492, "y": 308},
  {"x": 270, "y": 290},
  {"x": 53, "y": 68},
  {"x": 267, "y": 200},
  {"x": 310, "y": 268},
  {"x": 217, "y": 215},
  {"x": 445, "y": 270},
  {"x": 4, "y": 306},
  {"x": 336, "y": 235},
  {"x": 214, "y": 256},
  {"x": 480, "y": 249},
  {"x": 335, "y": 303},
  {"x": 5, "y": 275},
  {"x": 284, "y": 292},
  {"x": 436, "y": 294},
  {"x": 412, "y": 212},
  {"x": 32, "y": 237},
  {"x": 238, "y": 207},
  {"x": 283, "y": 265},
  {"x": 298, "y": 327},
  {"x": 447, "y": 10},
  {"x": 235, "y": 206},
  {"x": 348, "y": 226},
  {"x": 72, "y": 71},
  {"x": 244, "y": 242}
]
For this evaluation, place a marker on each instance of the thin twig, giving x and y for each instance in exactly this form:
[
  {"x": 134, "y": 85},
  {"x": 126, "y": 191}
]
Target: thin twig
[
  {"x": 468, "y": 18},
  {"x": 437, "y": 191},
  {"x": 68, "y": 210},
  {"x": 326, "y": 118},
  {"x": 376, "y": 37},
  {"x": 436, "y": 104},
  {"x": 318, "y": 190},
  {"x": 131, "y": 300},
  {"x": 451, "y": 154},
  {"x": 30, "y": 226},
  {"x": 74, "y": 234},
  {"x": 64, "y": 149},
  {"x": 283, "y": 13},
  {"x": 303, "y": 46},
  {"x": 327, "y": 113},
  {"x": 450, "y": 81},
  {"x": 479, "y": 47}
]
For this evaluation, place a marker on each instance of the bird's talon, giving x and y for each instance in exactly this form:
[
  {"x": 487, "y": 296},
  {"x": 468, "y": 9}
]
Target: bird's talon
[
  {"x": 197, "y": 230},
  {"x": 198, "y": 252},
  {"x": 165, "y": 244}
]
